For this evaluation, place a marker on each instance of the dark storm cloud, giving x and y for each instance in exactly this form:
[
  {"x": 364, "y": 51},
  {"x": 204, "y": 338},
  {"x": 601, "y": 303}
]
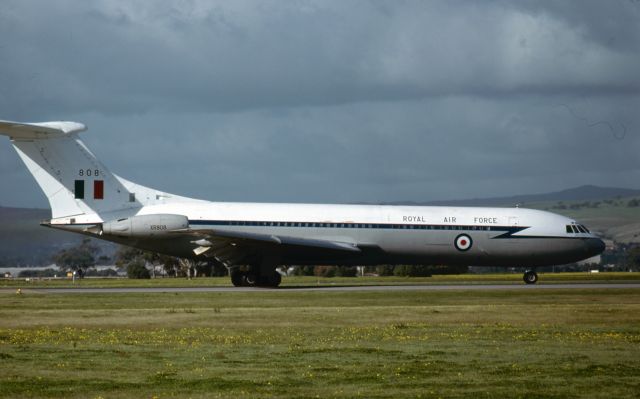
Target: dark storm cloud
[
  {"x": 119, "y": 57},
  {"x": 333, "y": 101},
  {"x": 611, "y": 24}
]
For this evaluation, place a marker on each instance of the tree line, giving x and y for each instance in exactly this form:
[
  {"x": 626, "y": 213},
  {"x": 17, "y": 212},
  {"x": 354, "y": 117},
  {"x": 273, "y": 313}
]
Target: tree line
[{"x": 144, "y": 264}]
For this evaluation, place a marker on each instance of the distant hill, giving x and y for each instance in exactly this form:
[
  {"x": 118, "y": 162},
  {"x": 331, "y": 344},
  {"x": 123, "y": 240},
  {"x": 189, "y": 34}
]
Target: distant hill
[
  {"x": 24, "y": 242},
  {"x": 582, "y": 193}
]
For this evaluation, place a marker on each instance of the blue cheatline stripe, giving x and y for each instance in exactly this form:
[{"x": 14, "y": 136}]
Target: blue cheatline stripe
[
  {"x": 388, "y": 226},
  {"x": 507, "y": 231}
]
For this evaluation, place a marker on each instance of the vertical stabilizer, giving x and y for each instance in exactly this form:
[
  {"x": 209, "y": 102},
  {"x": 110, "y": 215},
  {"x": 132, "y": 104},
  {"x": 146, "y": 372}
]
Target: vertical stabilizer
[{"x": 77, "y": 185}]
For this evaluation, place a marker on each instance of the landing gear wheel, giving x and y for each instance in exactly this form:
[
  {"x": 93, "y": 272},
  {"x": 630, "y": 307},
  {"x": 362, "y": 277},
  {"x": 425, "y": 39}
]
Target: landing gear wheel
[
  {"x": 269, "y": 281},
  {"x": 237, "y": 278},
  {"x": 530, "y": 277},
  {"x": 274, "y": 280},
  {"x": 251, "y": 279}
]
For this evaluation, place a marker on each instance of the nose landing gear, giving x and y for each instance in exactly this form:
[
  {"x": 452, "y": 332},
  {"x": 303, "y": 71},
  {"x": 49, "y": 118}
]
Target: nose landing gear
[{"x": 530, "y": 277}]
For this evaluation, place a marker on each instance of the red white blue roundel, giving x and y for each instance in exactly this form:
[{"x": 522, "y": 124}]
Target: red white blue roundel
[{"x": 463, "y": 242}]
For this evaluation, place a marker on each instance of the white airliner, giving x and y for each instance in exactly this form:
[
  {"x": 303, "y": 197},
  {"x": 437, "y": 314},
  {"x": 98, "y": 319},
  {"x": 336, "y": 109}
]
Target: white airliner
[{"x": 252, "y": 239}]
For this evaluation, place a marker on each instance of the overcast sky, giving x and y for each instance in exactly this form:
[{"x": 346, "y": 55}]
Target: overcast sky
[{"x": 331, "y": 101}]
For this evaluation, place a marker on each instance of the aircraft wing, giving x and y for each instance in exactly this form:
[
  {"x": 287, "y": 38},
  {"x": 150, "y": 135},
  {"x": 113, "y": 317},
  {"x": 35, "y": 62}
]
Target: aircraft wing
[{"x": 237, "y": 247}]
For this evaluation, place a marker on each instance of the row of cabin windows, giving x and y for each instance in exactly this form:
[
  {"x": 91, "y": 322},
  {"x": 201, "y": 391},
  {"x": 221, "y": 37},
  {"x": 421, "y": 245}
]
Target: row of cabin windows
[
  {"x": 354, "y": 225},
  {"x": 576, "y": 229}
]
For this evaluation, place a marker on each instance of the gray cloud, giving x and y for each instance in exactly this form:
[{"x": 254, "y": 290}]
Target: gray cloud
[{"x": 332, "y": 101}]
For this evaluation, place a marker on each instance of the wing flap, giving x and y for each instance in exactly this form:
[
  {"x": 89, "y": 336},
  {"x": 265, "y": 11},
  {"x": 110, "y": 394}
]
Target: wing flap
[
  {"x": 231, "y": 247},
  {"x": 281, "y": 240}
]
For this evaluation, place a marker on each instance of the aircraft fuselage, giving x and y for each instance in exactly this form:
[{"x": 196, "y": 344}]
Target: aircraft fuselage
[{"x": 476, "y": 236}]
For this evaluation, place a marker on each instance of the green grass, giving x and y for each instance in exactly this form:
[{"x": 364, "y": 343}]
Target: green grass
[
  {"x": 296, "y": 281},
  {"x": 548, "y": 343}
]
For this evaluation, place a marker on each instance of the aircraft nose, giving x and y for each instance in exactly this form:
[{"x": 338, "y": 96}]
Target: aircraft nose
[{"x": 595, "y": 246}]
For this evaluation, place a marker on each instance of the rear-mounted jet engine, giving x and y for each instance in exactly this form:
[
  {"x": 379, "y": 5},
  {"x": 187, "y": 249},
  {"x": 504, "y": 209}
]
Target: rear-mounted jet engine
[{"x": 145, "y": 225}]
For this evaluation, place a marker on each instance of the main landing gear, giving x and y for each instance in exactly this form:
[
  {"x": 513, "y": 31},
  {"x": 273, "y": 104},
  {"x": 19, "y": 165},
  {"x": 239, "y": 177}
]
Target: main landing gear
[
  {"x": 251, "y": 278},
  {"x": 530, "y": 277}
]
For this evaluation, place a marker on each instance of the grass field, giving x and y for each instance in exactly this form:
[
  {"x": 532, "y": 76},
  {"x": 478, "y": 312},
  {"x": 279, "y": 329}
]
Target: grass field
[
  {"x": 296, "y": 281},
  {"x": 548, "y": 343}
]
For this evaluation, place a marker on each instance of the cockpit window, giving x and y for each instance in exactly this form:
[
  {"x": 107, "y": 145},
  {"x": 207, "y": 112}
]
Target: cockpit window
[{"x": 577, "y": 229}]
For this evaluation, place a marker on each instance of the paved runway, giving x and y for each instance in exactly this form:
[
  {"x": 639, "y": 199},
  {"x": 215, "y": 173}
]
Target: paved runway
[{"x": 478, "y": 287}]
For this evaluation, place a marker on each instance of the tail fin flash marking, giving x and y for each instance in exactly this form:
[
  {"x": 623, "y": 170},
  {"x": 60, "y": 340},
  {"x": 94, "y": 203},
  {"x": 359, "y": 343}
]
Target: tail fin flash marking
[
  {"x": 78, "y": 189},
  {"x": 98, "y": 189}
]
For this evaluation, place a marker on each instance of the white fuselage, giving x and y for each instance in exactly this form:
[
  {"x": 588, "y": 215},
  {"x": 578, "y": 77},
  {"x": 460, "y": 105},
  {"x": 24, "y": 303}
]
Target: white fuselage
[{"x": 395, "y": 234}]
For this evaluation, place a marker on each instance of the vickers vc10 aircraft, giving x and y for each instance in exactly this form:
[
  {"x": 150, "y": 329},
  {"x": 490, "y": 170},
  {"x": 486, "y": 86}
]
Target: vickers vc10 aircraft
[{"x": 252, "y": 239}]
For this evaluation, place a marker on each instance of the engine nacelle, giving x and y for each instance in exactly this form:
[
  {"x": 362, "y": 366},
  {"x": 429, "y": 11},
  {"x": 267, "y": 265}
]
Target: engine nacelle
[{"x": 145, "y": 225}]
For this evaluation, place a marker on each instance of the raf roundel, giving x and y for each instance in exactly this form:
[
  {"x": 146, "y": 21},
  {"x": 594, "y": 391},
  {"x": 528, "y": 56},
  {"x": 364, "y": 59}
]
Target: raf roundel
[{"x": 463, "y": 242}]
